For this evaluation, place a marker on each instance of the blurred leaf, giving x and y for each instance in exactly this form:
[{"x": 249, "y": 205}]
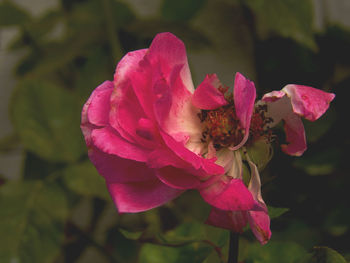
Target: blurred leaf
[
  {"x": 83, "y": 179},
  {"x": 193, "y": 253},
  {"x": 11, "y": 14},
  {"x": 130, "y": 235},
  {"x": 288, "y": 18},
  {"x": 31, "y": 219},
  {"x": 275, "y": 212},
  {"x": 47, "y": 120},
  {"x": 8, "y": 142},
  {"x": 316, "y": 130},
  {"x": 325, "y": 255},
  {"x": 94, "y": 72},
  {"x": 147, "y": 29},
  {"x": 275, "y": 252},
  {"x": 320, "y": 163},
  {"x": 181, "y": 10}
]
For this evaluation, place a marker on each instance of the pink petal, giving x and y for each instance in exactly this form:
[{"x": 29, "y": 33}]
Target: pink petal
[
  {"x": 177, "y": 178},
  {"x": 109, "y": 141},
  {"x": 141, "y": 196},
  {"x": 260, "y": 224},
  {"x": 308, "y": 102},
  {"x": 230, "y": 220},
  {"x": 207, "y": 96},
  {"x": 86, "y": 126},
  {"x": 295, "y": 135},
  {"x": 244, "y": 95},
  {"x": 118, "y": 170},
  {"x": 196, "y": 161},
  {"x": 98, "y": 111},
  {"x": 227, "y": 194},
  {"x": 167, "y": 51}
]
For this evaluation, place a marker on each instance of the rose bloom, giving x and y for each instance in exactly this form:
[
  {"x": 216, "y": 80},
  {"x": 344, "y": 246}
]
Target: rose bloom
[{"x": 152, "y": 136}]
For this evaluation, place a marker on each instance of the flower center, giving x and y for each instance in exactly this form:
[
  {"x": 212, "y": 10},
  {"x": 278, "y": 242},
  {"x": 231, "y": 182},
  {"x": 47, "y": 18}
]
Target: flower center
[{"x": 223, "y": 127}]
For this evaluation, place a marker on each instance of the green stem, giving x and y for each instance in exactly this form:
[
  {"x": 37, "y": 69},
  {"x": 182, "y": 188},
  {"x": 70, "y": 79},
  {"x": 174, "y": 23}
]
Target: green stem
[{"x": 233, "y": 248}]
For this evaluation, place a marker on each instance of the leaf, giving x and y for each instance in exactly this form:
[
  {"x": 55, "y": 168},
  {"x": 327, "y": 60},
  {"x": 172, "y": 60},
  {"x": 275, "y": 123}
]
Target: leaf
[
  {"x": 83, "y": 179},
  {"x": 193, "y": 253},
  {"x": 47, "y": 119},
  {"x": 287, "y": 18},
  {"x": 181, "y": 10},
  {"x": 325, "y": 255},
  {"x": 11, "y": 14},
  {"x": 275, "y": 212},
  {"x": 31, "y": 219},
  {"x": 275, "y": 252}
]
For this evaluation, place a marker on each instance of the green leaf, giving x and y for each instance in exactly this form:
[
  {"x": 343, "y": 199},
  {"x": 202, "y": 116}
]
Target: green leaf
[
  {"x": 47, "y": 119},
  {"x": 31, "y": 220},
  {"x": 325, "y": 255},
  {"x": 83, "y": 179},
  {"x": 287, "y": 18},
  {"x": 275, "y": 252},
  {"x": 193, "y": 253},
  {"x": 275, "y": 212},
  {"x": 11, "y": 14},
  {"x": 130, "y": 235},
  {"x": 180, "y": 10}
]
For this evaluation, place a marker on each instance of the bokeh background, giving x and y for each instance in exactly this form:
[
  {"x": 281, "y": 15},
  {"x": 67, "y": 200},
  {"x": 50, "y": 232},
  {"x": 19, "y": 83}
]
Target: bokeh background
[{"x": 54, "y": 206}]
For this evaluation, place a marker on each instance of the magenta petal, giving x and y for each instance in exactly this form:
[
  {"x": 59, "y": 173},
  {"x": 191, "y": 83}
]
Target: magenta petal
[
  {"x": 259, "y": 222},
  {"x": 141, "y": 196},
  {"x": 308, "y": 102},
  {"x": 244, "y": 95},
  {"x": 167, "y": 51},
  {"x": 177, "y": 178},
  {"x": 207, "y": 96},
  {"x": 111, "y": 142},
  {"x": 98, "y": 111},
  {"x": 227, "y": 194},
  {"x": 295, "y": 135},
  {"x": 119, "y": 170},
  {"x": 230, "y": 220}
]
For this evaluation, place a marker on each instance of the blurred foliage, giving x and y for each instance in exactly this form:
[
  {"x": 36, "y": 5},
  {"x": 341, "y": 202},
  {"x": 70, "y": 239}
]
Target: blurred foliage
[{"x": 59, "y": 209}]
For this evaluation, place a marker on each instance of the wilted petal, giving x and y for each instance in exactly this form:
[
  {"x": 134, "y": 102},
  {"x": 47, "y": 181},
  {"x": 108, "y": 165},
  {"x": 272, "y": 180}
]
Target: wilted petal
[
  {"x": 207, "y": 96},
  {"x": 141, "y": 196}
]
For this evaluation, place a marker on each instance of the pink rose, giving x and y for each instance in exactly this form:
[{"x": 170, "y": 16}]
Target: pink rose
[{"x": 152, "y": 136}]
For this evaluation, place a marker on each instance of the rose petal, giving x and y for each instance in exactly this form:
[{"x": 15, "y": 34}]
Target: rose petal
[
  {"x": 109, "y": 141},
  {"x": 167, "y": 51},
  {"x": 207, "y": 96},
  {"x": 227, "y": 194},
  {"x": 244, "y": 95},
  {"x": 230, "y": 220},
  {"x": 98, "y": 111},
  {"x": 177, "y": 178},
  {"x": 141, "y": 196},
  {"x": 308, "y": 102},
  {"x": 295, "y": 135},
  {"x": 118, "y": 170},
  {"x": 259, "y": 222}
]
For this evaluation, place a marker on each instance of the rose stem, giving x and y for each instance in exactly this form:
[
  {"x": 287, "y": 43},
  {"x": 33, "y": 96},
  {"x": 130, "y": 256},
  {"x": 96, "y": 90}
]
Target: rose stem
[{"x": 233, "y": 248}]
